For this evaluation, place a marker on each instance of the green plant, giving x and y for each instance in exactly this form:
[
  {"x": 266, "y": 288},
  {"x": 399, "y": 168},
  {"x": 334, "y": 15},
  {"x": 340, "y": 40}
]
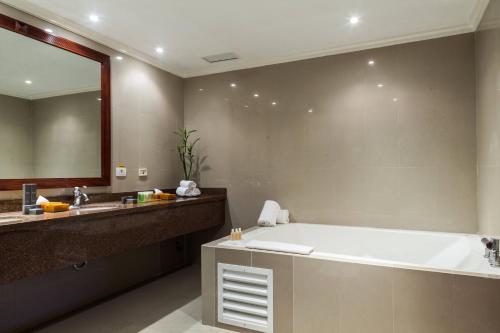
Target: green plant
[{"x": 185, "y": 151}]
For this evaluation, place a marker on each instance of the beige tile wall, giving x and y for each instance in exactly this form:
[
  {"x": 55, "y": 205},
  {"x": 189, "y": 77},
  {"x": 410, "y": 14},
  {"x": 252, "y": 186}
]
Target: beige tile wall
[
  {"x": 488, "y": 119},
  {"x": 360, "y": 157},
  {"x": 313, "y": 295}
]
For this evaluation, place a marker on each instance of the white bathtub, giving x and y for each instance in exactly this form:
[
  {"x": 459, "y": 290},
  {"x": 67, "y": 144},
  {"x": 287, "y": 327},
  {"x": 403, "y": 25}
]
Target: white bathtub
[{"x": 434, "y": 251}]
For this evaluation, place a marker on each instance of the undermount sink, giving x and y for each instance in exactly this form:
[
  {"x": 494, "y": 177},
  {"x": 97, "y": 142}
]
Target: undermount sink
[
  {"x": 93, "y": 208},
  {"x": 6, "y": 219}
]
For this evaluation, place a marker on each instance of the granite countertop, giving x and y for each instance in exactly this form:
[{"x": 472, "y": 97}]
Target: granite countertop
[{"x": 117, "y": 209}]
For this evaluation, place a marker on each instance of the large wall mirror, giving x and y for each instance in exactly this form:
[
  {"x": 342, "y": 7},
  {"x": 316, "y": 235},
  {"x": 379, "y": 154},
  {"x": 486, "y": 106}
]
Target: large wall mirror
[{"x": 54, "y": 110}]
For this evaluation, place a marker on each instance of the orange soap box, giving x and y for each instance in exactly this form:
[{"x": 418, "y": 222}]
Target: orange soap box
[{"x": 54, "y": 207}]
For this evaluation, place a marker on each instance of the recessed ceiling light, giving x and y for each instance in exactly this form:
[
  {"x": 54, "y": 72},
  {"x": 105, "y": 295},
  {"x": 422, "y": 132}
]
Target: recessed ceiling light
[
  {"x": 233, "y": 85},
  {"x": 119, "y": 58},
  {"x": 246, "y": 106},
  {"x": 371, "y": 62},
  {"x": 94, "y": 18},
  {"x": 274, "y": 103},
  {"x": 255, "y": 95},
  {"x": 395, "y": 99},
  {"x": 159, "y": 50},
  {"x": 47, "y": 30},
  {"x": 354, "y": 20},
  {"x": 99, "y": 99},
  {"x": 380, "y": 85},
  {"x": 28, "y": 82},
  {"x": 201, "y": 89},
  {"x": 310, "y": 110}
]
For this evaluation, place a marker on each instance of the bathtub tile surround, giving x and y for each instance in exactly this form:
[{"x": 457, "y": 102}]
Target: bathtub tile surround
[
  {"x": 342, "y": 297},
  {"x": 488, "y": 120},
  {"x": 338, "y": 149}
]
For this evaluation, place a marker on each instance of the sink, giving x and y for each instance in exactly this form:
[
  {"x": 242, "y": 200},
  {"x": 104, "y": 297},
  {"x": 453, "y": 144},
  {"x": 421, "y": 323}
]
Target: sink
[
  {"x": 93, "y": 208},
  {"x": 8, "y": 219}
]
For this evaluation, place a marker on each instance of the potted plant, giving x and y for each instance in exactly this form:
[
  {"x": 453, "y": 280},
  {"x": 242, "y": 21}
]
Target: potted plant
[{"x": 185, "y": 151}]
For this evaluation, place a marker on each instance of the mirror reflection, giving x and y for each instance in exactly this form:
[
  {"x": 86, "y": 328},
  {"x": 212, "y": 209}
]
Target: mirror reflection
[{"x": 50, "y": 111}]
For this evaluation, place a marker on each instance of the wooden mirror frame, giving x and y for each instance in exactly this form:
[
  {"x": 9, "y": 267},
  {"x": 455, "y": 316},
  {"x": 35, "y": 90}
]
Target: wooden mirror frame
[{"x": 62, "y": 43}]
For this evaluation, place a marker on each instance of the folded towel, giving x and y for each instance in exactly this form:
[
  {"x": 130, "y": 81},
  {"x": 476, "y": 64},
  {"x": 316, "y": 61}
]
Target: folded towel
[
  {"x": 187, "y": 192},
  {"x": 279, "y": 247},
  {"x": 283, "y": 216},
  {"x": 41, "y": 200},
  {"x": 187, "y": 184},
  {"x": 269, "y": 214},
  {"x": 157, "y": 191}
]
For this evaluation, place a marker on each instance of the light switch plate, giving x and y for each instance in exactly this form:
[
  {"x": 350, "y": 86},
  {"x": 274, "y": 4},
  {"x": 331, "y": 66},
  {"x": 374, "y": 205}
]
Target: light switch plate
[
  {"x": 121, "y": 172},
  {"x": 143, "y": 172}
]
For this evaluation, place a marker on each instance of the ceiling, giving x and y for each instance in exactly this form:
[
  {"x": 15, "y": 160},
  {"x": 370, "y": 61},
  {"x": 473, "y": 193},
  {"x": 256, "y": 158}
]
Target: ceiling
[
  {"x": 260, "y": 32},
  {"x": 51, "y": 71}
]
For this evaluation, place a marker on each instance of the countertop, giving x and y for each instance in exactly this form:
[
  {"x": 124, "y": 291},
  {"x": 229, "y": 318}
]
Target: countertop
[{"x": 118, "y": 209}]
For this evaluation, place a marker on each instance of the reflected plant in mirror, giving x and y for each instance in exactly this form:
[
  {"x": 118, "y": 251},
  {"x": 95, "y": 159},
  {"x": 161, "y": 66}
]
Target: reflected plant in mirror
[{"x": 185, "y": 149}]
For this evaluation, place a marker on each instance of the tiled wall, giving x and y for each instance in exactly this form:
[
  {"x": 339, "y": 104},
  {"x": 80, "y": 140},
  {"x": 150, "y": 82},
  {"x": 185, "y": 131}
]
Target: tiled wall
[
  {"x": 337, "y": 148},
  {"x": 313, "y": 295},
  {"x": 488, "y": 119}
]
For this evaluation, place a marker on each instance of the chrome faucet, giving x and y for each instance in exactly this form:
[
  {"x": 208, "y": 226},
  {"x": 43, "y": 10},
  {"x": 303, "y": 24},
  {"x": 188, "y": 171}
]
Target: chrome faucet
[
  {"x": 78, "y": 195},
  {"x": 492, "y": 251}
]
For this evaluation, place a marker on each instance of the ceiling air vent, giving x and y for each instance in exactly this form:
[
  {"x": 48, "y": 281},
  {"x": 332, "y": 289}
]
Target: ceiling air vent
[
  {"x": 221, "y": 57},
  {"x": 245, "y": 297}
]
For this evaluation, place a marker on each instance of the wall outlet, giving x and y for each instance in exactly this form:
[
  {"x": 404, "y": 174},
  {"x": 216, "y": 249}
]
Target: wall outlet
[
  {"x": 143, "y": 172},
  {"x": 121, "y": 171}
]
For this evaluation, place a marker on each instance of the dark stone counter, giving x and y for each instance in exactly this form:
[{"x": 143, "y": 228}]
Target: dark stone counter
[{"x": 58, "y": 240}]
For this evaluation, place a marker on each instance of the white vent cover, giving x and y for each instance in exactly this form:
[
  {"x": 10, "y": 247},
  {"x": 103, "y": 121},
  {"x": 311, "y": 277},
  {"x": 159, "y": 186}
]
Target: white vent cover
[{"x": 245, "y": 297}]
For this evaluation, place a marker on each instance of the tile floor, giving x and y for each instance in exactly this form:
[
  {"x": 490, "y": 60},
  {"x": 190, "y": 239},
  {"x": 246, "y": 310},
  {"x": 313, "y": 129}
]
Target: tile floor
[{"x": 171, "y": 304}]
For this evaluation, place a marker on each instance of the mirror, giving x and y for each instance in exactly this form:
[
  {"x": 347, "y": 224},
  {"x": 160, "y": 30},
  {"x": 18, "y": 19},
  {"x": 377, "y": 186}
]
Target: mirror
[{"x": 54, "y": 115}]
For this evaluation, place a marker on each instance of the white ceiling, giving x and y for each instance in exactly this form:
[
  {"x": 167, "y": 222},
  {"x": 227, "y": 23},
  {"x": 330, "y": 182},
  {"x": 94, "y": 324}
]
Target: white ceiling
[
  {"x": 52, "y": 71},
  {"x": 261, "y": 32}
]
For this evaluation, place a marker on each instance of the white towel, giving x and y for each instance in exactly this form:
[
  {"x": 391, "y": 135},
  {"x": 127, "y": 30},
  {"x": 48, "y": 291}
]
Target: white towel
[
  {"x": 187, "y": 192},
  {"x": 269, "y": 214},
  {"x": 41, "y": 200},
  {"x": 283, "y": 216},
  {"x": 279, "y": 247},
  {"x": 187, "y": 184},
  {"x": 157, "y": 191}
]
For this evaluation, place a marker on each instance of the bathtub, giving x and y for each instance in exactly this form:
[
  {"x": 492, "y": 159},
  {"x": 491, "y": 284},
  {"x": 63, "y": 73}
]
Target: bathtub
[
  {"x": 361, "y": 279},
  {"x": 435, "y": 251}
]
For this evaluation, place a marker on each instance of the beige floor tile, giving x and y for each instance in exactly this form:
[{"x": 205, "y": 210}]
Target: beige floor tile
[{"x": 169, "y": 305}]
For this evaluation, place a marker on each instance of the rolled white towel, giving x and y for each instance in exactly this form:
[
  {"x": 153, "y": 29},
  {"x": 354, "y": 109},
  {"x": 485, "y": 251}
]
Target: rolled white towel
[
  {"x": 283, "y": 216},
  {"x": 157, "y": 191},
  {"x": 188, "y": 192},
  {"x": 187, "y": 184},
  {"x": 269, "y": 214}
]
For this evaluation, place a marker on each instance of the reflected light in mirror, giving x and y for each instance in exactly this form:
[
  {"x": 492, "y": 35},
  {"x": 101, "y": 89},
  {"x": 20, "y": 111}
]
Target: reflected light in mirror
[
  {"x": 371, "y": 62},
  {"x": 200, "y": 89},
  {"x": 94, "y": 18},
  {"x": 274, "y": 103},
  {"x": 119, "y": 58},
  {"x": 255, "y": 95},
  {"x": 28, "y": 82},
  {"x": 310, "y": 110},
  {"x": 380, "y": 85},
  {"x": 353, "y": 20},
  {"x": 159, "y": 50},
  {"x": 233, "y": 85}
]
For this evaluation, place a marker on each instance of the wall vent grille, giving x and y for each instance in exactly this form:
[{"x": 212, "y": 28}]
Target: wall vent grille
[
  {"x": 245, "y": 297},
  {"x": 221, "y": 57}
]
